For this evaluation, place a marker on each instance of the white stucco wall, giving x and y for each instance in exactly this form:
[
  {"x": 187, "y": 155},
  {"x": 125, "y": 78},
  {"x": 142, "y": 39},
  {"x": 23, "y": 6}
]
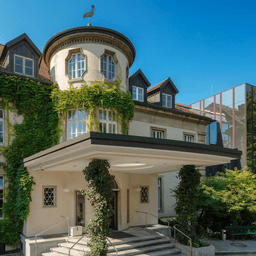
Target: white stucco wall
[
  {"x": 42, "y": 218},
  {"x": 93, "y": 54}
]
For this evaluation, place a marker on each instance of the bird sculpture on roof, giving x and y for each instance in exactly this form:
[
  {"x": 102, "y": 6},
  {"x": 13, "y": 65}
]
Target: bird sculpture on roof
[{"x": 89, "y": 14}]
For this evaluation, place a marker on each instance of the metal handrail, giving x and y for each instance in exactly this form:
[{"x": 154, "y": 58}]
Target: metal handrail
[
  {"x": 75, "y": 244},
  {"x": 190, "y": 240},
  {"x": 147, "y": 213},
  {"x": 113, "y": 246},
  {"x": 66, "y": 219}
]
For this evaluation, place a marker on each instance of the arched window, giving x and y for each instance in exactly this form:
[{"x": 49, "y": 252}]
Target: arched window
[
  {"x": 108, "y": 67},
  {"x": 76, "y": 65}
]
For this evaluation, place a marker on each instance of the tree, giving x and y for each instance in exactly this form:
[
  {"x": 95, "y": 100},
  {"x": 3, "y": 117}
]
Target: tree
[{"x": 227, "y": 198}]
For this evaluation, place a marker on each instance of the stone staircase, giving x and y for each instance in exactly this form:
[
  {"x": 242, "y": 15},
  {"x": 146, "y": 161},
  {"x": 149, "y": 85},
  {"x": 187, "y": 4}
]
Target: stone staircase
[{"x": 141, "y": 246}]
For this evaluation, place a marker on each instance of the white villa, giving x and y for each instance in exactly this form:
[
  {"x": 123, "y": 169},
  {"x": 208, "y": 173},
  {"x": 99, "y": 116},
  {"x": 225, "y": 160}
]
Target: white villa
[{"x": 162, "y": 137}]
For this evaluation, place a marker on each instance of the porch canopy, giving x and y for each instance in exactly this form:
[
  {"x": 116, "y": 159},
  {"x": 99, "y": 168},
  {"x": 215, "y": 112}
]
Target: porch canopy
[{"x": 125, "y": 153}]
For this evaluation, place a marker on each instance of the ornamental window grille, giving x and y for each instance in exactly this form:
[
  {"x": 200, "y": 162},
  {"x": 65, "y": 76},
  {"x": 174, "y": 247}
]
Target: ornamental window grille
[
  {"x": 158, "y": 134},
  {"x": 23, "y": 65},
  {"x": 76, "y": 65},
  {"x": 188, "y": 138},
  {"x": 108, "y": 67},
  {"x": 137, "y": 93},
  {"x": 107, "y": 121},
  {"x": 76, "y": 123},
  {"x": 1, "y": 126},
  {"x": 166, "y": 100},
  {"x": 49, "y": 196},
  {"x": 144, "y": 195},
  {"x": 1, "y": 196}
]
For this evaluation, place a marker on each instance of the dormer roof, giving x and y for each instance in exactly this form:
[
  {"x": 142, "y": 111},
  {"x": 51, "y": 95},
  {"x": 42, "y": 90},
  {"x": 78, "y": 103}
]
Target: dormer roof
[
  {"x": 15, "y": 41},
  {"x": 143, "y": 77},
  {"x": 166, "y": 82}
]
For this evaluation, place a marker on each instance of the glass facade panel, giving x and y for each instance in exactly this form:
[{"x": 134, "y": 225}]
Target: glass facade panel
[
  {"x": 209, "y": 107},
  {"x": 240, "y": 119},
  {"x": 227, "y": 118}
]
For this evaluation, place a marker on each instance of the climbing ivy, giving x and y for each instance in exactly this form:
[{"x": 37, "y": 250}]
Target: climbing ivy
[
  {"x": 39, "y": 130},
  {"x": 106, "y": 95},
  {"x": 100, "y": 189},
  {"x": 185, "y": 194}
]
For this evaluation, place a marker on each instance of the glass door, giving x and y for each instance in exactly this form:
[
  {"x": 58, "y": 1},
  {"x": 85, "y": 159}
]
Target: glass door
[{"x": 80, "y": 209}]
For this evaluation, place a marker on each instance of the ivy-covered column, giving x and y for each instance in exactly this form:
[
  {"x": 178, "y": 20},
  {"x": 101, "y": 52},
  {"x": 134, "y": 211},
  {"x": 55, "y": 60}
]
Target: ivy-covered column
[
  {"x": 100, "y": 189},
  {"x": 185, "y": 194}
]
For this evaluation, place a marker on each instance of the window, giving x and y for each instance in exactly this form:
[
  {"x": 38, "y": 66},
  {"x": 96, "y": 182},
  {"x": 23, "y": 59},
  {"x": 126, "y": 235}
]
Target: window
[
  {"x": 1, "y": 126},
  {"x": 1, "y": 196},
  {"x": 49, "y": 196},
  {"x": 160, "y": 194},
  {"x": 144, "y": 196},
  {"x": 23, "y": 65},
  {"x": 188, "y": 138},
  {"x": 76, "y": 65},
  {"x": 137, "y": 93},
  {"x": 158, "y": 134},
  {"x": 108, "y": 67},
  {"x": 166, "y": 100},
  {"x": 107, "y": 123},
  {"x": 76, "y": 123}
]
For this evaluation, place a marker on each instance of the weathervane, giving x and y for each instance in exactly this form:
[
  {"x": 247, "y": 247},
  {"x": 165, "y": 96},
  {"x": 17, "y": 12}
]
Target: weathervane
[{"x": 89, "y": 14}]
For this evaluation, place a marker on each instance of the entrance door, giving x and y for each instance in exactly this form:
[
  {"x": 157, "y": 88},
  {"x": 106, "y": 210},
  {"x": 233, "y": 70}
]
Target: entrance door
[
  {"x": 114, "y": 224},
  {"x": 80, "y": 209}
]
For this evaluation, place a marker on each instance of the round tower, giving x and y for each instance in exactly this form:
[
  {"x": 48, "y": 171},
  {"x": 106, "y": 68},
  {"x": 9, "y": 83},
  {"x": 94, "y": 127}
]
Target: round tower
[{"x": 83, "y": 54}]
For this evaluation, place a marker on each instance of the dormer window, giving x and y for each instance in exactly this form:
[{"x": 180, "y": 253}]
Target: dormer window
[
  {"x": 166, "y": 100},
  {"x": 24, "y": 66},
  {"x": 137, "y": 93},
  {"x": 76, "y": 66},
  {"x": 108, "y": 67}
]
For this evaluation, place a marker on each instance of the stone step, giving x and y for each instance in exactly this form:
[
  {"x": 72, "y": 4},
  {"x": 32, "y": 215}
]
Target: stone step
[
  {"x": 149, "y": 249},
  {"x": 145, "y": 243},
  {"x": 78, "y": 247},
  {"x": 73, "y": 252},
  {"x": 51, "y": 254}
]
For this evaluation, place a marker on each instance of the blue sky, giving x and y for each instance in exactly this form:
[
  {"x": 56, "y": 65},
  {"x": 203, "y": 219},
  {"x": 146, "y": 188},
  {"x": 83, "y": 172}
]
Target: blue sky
[{"x": 204, "y": 46}]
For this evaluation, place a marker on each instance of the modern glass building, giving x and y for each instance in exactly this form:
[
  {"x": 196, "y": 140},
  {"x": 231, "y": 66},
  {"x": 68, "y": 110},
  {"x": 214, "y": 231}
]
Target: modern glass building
[{"x": 235, "y": 113}]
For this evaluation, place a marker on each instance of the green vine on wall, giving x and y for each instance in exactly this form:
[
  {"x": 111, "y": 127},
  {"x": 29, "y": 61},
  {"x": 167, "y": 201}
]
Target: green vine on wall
[
  {"x": 101, "y": 94},
  {"x": 100, "y": 189},
  {"x": 39, "y": 130}
]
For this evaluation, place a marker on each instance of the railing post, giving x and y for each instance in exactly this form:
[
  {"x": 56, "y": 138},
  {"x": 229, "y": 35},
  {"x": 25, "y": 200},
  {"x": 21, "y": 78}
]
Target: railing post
[
  {"x": 146, "y": 220},
  {"x": 68, "y": 228},
  {"x": 35, "y": 246}
]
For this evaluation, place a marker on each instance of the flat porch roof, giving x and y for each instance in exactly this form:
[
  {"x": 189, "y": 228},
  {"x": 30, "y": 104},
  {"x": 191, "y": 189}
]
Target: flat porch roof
[{"x": 125, "y": 153}]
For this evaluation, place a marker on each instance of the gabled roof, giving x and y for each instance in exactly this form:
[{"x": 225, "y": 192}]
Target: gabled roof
[
  {"x": 15, "y": 41},
  {"x": 20, "y": 38},
  {"x": 162, "y": 84},
  {"x": 139, "y": 72}
]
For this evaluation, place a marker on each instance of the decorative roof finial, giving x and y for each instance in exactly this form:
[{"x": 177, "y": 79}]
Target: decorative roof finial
[{"x": 89, "y": 14}]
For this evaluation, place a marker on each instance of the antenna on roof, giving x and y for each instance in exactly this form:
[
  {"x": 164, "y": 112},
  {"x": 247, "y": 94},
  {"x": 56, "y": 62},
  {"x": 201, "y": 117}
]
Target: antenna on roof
[{"x": 90, "y": 14}]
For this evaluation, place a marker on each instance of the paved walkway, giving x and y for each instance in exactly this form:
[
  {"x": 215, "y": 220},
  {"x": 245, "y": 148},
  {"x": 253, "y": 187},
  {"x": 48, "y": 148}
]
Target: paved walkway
[{"x": 236, "y": 247}]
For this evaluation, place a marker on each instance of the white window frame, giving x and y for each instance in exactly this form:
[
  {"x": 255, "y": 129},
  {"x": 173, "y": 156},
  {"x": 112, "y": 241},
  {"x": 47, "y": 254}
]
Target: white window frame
[
  {"x": 157, "y": 134},
  {"x": 108, "y": 74},
  {"x": 71, "y": 70},
  {"x": 23, "y": 65},
  {"x": 55, "y": 193},
  {"x": 189, "y": 137},
  {"x": 165, "y": 100},
  {"x": 2, "y": 188},
  {"x": 107, "y": 120},
  {"x": 75, "y": 134},
  {"x": 136, "y": 93},
  {"x": 2, "y": 120}
]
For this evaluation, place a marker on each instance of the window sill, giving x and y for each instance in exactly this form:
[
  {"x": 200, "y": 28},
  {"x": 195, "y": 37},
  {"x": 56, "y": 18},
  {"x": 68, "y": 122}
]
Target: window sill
[
  {"x": 79, "y": 79},
  {"x": 23, "y": 74}
]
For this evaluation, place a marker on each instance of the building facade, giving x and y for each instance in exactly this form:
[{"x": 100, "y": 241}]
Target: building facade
[
  {"x": 162, "y": 137},
  {"x": 235, "y": 113}
]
